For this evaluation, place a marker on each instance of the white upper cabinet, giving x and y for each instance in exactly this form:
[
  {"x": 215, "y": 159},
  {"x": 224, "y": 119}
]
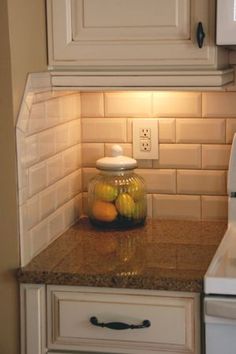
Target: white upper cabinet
[{"x": 132, "y": 35}]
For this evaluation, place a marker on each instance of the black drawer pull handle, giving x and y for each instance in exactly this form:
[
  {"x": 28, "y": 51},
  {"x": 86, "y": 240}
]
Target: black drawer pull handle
[
  {"x": 200, "y": 35},
  {"x": 119, "y": 325}
]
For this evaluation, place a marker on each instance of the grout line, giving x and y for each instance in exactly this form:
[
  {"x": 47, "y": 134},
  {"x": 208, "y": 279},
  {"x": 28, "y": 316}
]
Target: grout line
[
  {"x": 226, "y": 120},
  {"x": 152, "y": 104},
  {"x": 59, "y": 124},
  {"x": 53, "y": 212},
  {"x": 103, "y": 97},
  {"x": 201, "y": 207},
  {"x": 201, "y": 105},
  {"x": 53, "y": 97},
  {"x": 51, "y": 156},
  {"x": 201, "y": 155},
  {"x": 53, "y": 183}
]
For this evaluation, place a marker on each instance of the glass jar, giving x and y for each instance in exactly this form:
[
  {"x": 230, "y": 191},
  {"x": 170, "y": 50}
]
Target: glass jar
[{"x": 117, "y": 195}]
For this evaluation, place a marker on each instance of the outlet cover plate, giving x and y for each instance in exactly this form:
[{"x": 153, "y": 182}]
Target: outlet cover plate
[{"x": 138, "y": 125}]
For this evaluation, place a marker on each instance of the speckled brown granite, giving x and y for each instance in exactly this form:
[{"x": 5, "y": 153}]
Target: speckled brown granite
[{"x": 162, "y": 255}]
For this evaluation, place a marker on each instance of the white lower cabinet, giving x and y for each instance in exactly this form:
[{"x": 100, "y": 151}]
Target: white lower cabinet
[{"x": 78, "y": 320}]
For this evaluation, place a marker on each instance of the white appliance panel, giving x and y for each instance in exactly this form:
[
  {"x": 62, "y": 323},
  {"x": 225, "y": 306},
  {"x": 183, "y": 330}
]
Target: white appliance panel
[
  {"x": 226, "y": 22},
  {"x": 221, "y": 274},
  {"x": 220, "y": 279}
]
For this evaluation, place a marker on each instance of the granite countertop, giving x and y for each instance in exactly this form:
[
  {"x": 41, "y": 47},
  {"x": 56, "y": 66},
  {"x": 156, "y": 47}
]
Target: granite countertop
[{"x": 162, "y": 255}]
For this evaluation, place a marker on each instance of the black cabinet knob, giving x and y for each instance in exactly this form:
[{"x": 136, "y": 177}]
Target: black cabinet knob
[{"x": 200, "y": 35}]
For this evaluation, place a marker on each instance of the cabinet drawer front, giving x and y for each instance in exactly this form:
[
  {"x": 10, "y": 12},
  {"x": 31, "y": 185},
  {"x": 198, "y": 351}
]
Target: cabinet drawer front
[{"x": 69, "y": 313}]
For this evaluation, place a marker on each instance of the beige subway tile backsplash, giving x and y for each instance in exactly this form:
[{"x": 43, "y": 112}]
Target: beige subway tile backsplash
[
  {"x": 53, "y": 110},
  {"x": 56, "y": 224},
  {"x": 219, "y": 104},
  {"x": 29, "y": 150},
  {"x": 60, "y": 135},
  {"x": 128, "y": 104},
  {"x": 73, "y": 210},
  {"x": 74, "y": 128},
  {"x": 104, "y": 130},
  {"x": 37, "y": 178},
  {"x": 179, "y": 156},
  {"x": 211, "y": 131},
  {"x": 70, "y": 107},
  {"x": 144, "y": 163},
  {"x": 201, "y": 182},
  {"x": 47, "y": 202},
  {"x": 62, "y": 191},
  {"x": 177, "y": 104},
  {"x": 166, "y": 130},
  {"x": 92, "y": 104},
  {"x": 33, "y": 212},
  {"x": 88, "y": 173},
  {"x": 215, "y": 156},
  {"x": 129, "y": 130},
  {"x": 230, "y": 130},
  {"x": 39, "y": 237},
  {"x": 176, "y": 207},
  {"x": 48, "y": 148},
  {"x": 46, "y": 144},
  {"x": 91, "y": 152},
  {"x": 159, "y": 181},
  {"x": 214, "y": 207},
  {"x": 75, "y": 183},
  {"x": 54, "y": 169},
  {"x": 37, "y": 119},
  {"x": 194, "y": 145},
  {"x": 71, "y": 159}
]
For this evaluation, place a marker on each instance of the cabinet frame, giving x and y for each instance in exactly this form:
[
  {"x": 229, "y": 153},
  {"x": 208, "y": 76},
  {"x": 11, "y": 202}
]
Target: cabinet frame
[
  {"x": 153, "y": 63},
  {"x": 97, "y": 52},
  {"x": 33, "y": 318},
  {"x": 36, "y": 319}
]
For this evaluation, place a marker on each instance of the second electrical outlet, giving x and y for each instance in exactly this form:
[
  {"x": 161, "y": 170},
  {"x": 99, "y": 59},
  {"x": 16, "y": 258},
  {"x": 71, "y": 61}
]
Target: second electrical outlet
[{"x": 145, "y": 138}]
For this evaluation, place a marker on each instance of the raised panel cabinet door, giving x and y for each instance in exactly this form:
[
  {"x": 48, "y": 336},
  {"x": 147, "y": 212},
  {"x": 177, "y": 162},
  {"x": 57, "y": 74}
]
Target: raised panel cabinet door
[
  {"x": 127, "y": 33},
  {"x": 126, "y": 20}
]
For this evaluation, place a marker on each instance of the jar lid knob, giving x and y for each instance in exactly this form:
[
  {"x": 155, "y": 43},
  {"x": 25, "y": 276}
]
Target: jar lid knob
[
  {"x": 116, "y": 150},
  {"x": 117, "y": 161}
]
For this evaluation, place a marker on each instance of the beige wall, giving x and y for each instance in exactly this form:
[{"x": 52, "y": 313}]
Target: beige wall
[
  {"x": 22, "y": 50},
  {"x": 27, "y": 42}
]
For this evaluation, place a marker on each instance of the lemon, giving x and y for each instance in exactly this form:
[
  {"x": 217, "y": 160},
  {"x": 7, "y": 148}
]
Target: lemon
[
  {"x": 135, "y": 189},
  {"x": 140, "y": 209},
  {"x": 105, "y": 192},
  {"x": 104, "y": 211},
  {"x": 125, "y": 204}
]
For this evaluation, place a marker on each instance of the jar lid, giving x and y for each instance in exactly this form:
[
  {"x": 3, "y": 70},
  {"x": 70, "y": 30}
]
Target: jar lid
[{"x": 117, "y": 161}]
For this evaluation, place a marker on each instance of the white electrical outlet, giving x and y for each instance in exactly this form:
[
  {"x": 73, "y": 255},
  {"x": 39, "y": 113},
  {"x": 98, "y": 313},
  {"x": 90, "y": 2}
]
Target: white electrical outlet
[
  {"x": 145, "y": 139},
  {"x": 145, "y": 145},
  {"x": 145, "y": 133}
]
